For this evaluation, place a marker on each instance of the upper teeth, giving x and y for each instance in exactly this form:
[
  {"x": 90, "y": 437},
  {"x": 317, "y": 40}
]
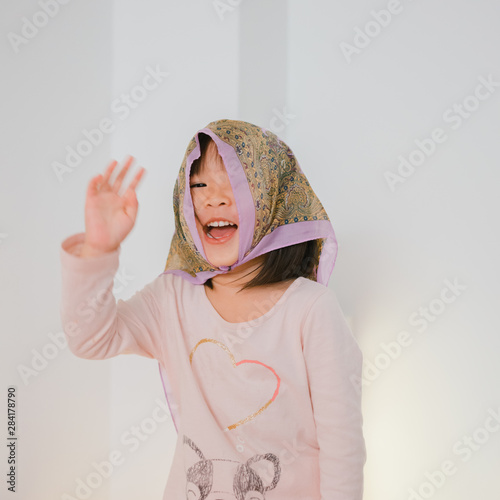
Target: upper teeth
[{"x": 220, "y": 223}]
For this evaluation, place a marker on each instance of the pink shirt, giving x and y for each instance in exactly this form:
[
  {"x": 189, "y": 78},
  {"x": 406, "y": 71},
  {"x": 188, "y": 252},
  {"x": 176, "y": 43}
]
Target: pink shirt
[{"x": 267, "y": 406}]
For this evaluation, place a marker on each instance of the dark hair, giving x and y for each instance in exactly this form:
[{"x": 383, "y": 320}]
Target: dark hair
[
  {"x": 286, "y": 263},
  {"x": 282, "y": 264},
  {"x": 204, "y": 142}
]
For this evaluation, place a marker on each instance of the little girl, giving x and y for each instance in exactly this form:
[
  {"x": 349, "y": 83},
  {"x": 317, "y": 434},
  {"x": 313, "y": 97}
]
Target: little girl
[{"x": 256, "y": 359}]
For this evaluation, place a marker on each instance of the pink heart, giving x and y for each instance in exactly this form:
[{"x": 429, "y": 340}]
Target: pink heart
[{"x": 235, "y": 364}]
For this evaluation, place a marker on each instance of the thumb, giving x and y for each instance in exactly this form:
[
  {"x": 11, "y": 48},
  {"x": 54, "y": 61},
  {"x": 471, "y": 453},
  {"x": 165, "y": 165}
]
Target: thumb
[{"x": 131, "y": 204}]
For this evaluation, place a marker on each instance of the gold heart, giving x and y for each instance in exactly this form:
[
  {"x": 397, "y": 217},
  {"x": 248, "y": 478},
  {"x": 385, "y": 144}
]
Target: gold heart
[{"x": 235, "y": 364}]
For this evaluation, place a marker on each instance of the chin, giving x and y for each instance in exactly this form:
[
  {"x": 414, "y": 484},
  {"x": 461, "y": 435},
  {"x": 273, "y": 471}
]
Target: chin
[
  {"x": 221, "y": 260},
  {"x": 218, "y": 256}
]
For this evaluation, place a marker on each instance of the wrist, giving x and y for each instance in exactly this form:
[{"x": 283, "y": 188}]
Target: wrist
[{"x": 89, "y": 251}]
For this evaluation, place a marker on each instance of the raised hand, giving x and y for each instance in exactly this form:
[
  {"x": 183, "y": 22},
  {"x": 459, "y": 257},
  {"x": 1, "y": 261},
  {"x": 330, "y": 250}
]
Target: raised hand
[{"x": 109, "y": 215}]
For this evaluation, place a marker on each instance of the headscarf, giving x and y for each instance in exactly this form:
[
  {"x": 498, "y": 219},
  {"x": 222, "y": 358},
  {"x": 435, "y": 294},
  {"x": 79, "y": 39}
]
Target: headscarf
[{"x": 276, "y": 205}]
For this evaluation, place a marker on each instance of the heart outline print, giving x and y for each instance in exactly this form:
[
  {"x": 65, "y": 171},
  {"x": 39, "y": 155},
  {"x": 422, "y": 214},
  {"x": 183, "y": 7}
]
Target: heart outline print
[{"x": 235, "y": 365}]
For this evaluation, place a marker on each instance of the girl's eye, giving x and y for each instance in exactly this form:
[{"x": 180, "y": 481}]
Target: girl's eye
[{"x": 198, "y": 184}]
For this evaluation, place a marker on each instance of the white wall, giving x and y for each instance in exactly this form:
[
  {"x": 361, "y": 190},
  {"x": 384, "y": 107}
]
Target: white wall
[
  {"x": 52, "y": 87},
  {"x": 397, "y": 248},
  {"x": 278, "y": 65},
  {"x": 66, "y": 79}
]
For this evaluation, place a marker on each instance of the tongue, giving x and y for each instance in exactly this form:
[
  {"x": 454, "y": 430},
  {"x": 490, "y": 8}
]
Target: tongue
[{"x": 219, "y": 232}]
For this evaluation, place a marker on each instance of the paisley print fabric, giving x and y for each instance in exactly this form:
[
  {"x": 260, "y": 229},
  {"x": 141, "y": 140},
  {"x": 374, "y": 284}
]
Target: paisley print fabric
[{"x": 277, "y": 206}]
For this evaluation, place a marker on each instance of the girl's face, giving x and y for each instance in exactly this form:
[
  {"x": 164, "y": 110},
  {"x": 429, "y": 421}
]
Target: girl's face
[{"x": 213, "y": 200}]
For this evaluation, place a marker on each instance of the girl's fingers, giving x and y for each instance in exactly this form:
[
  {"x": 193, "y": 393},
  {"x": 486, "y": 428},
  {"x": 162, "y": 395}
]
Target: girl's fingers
[
  {"x": 136, "y": 179},
  {"x": 103, "y": 180},
  {"x": 118, "y": 181},
  {"x": 94, "y": 184},
  {"x": 109, "y": 171}
]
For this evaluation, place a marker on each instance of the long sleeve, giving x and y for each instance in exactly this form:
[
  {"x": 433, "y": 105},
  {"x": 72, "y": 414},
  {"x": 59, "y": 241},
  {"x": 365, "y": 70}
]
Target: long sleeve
[
  {"x": 332, "y": 358},
  {"x": 95, "y": 325}
]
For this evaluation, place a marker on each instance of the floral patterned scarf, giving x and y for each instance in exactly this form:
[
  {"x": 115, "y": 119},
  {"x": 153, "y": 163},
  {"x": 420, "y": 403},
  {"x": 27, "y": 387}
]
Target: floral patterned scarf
[{"x": 276, "y": 205}]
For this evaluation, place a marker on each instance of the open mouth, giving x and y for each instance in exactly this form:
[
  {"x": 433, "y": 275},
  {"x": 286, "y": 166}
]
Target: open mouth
[{"x": 220, "y": 232}]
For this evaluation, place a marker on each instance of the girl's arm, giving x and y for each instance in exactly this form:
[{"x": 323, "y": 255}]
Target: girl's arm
[
  {"x": 96, "y": 326},
  {"x": 334, "y": 364}
]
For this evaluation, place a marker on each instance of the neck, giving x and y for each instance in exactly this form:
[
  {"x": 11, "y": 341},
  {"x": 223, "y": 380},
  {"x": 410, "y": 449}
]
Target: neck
[{"x": 232, "y": 281}]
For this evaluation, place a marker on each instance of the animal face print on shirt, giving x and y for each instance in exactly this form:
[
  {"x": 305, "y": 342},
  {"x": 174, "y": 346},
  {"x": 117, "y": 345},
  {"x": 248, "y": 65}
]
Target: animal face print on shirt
[{"x": 224, "y": 479}]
